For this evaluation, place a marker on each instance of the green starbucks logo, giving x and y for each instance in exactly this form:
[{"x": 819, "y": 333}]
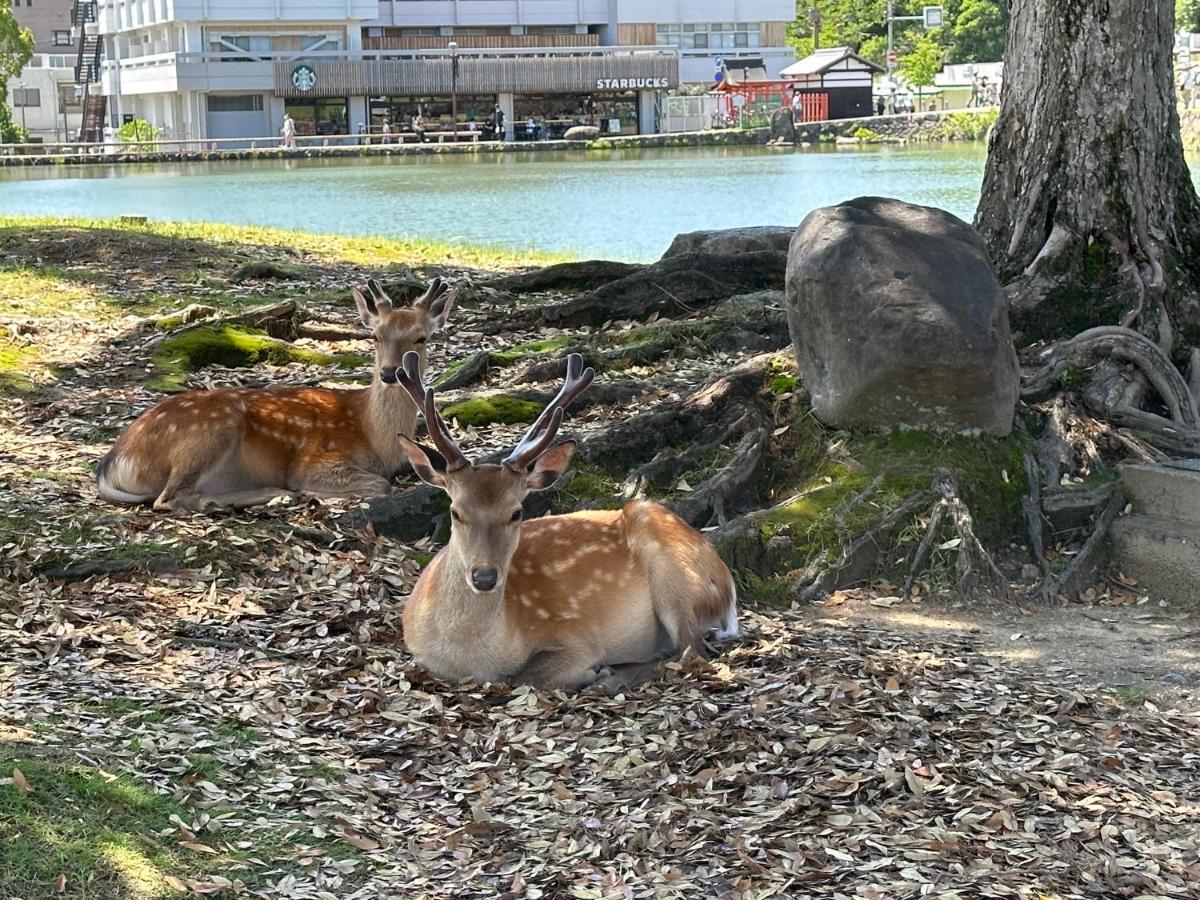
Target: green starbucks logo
[{"x": 304, "y": 78}]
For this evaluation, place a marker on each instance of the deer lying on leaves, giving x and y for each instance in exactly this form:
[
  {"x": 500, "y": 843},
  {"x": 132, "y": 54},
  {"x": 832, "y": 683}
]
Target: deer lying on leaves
[
  {"x": 238, "y": 447},
  {"x": 554, "y": 601}
]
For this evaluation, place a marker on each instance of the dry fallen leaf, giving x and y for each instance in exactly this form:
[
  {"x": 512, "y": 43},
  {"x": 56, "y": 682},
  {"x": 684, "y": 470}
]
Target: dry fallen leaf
[{"x": 22, "y": 784}]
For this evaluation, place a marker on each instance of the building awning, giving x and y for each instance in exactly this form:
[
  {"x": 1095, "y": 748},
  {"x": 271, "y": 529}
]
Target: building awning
[
  {"x": 822, "y": 61},
  {"x": 550, "y": 73}
]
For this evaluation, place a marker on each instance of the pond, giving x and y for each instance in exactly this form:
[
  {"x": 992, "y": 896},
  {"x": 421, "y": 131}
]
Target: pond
[{"x": 619, "y": 204}]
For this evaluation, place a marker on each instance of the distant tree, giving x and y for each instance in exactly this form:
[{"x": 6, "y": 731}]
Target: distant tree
[
  {"x": 922, "y": 63},
  {"x": 977, "y": 32},
  {"x": 1187, "y": 15},
  {"x": 16, "y": 48}
]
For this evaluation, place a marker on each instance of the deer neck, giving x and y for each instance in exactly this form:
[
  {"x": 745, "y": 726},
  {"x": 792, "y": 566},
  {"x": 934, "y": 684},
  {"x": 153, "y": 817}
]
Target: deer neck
[
  {"x": 473, "y": 617},
  {"x": 388, "y": 411}
]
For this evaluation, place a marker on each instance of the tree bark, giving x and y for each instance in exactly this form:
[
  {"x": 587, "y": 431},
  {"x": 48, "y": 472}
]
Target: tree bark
[{"x": 1088, "y": 207}]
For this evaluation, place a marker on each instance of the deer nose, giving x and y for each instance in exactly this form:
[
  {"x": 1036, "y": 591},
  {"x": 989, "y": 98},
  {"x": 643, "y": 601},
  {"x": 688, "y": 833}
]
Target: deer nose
[
  {"x": 388, "y": 374},
  {"x": 484, "y": 579}
]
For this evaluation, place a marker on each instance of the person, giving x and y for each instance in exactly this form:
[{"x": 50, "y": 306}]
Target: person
[
  {"x": 797, "y": 107},
  {"x": 289, "y": 132},
  {"x": 362, "y": 133},
  {"x": 418, "y": 126},
  {"x": 386, "y": 131},
  {"x": 879, "y": 105},
  {"x": 530, "y": 129},
  {"x": 498, "y": 124}
]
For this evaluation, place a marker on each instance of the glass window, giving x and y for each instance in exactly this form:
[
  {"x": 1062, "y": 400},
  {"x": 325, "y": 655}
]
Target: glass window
[
  {"x": 27, "y": 97},
  {"x": 62, "y": 38},
  {"x": 68, "y": 98},
  {"x": 235, "y": 103}
]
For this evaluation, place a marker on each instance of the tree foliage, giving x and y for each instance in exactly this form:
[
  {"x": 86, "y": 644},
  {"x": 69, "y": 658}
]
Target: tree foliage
[
  {"x": 921, "y": 63},
  {"x": 974, "y": 29},
  {"x": 1187, "y": 15},
  {"x": 16, "y": 48}
]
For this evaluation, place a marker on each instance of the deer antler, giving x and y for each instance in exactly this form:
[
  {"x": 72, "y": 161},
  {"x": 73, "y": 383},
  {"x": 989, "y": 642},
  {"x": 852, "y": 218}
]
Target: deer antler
[
  {"x": 383, "y": 303},
  {"x": 410, "y": 378},
  {"x": 436, "y": 288},
  {"x": 541, "y": 433}
]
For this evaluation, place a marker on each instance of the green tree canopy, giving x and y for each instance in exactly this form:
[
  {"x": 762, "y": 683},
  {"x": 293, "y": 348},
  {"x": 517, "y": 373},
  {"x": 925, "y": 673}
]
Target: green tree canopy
[
  {"x": 1187, "y": 15},
  {"x": 974, "y": 29},
  {"x": 922, "y": 62},
  {"x": 16, "y": 47}
]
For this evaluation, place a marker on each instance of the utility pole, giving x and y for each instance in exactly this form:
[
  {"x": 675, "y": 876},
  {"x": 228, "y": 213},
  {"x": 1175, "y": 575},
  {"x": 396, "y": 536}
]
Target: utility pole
[
  {"x": 814, "y": 16},
  {"x": 931, "y": 17},
  {"x": 454, "y": 86},
  {"x": 24, "y": 103}
]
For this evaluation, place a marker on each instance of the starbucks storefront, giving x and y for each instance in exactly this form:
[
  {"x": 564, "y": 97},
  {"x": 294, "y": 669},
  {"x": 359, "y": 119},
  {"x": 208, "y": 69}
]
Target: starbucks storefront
[{"x": 614, "y": 90}]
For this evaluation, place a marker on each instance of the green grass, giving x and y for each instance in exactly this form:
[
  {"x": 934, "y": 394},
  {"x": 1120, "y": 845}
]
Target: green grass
[
  {"x": 376, "y": 252},
  {"x": 44, "y": 292},
  {"x": 107, "y": 836},
  {"x": 110, "y": 837},
  {"x": 530, "y": 348}
]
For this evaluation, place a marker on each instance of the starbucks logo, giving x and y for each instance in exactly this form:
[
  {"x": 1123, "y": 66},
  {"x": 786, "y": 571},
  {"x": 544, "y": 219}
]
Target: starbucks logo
[{"x": 304, "y": 78}]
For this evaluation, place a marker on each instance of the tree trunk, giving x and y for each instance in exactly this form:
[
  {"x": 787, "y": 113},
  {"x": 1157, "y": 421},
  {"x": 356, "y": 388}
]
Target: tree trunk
[{"x": 1088, "y": 207}]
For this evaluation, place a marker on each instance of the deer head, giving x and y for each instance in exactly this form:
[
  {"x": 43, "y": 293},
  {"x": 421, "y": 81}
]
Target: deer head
[
  {"x": 485, "y": 500},
  {"x": 398, "y": 331}
]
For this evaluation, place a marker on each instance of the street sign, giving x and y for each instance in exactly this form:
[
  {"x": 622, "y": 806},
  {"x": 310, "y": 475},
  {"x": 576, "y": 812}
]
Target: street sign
[{"x": 933, "y": 17}]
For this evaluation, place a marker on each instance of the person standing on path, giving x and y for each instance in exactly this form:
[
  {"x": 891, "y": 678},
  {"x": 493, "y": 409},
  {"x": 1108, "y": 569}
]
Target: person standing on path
[{"x": 289, "y": 132}]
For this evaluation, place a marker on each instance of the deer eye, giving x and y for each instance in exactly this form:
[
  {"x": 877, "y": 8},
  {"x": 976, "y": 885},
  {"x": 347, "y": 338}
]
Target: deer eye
[
  {"x": 455, "y": 516},
  {"x": 516, "y": 517},
  {"x": 419, "y": 341}
]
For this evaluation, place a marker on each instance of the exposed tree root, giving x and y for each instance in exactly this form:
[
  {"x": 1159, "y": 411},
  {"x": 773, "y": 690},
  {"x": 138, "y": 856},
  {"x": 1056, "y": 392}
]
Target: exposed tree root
[
  {"x": 330, "y": 331},
  {"x": 277, "y": 319},
  {"x": 1085, "y": 567},
  {"x": 1177, "y": 432},
  {"x": 1031, "y": 505}
]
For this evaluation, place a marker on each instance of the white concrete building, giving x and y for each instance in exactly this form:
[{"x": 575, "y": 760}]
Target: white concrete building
[
  {"x": 43, "y": 98},
  {"x": 231, "y": 68}
]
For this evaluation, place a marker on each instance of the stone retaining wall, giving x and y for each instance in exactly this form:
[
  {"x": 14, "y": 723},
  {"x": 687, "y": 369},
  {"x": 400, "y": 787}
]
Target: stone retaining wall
[{"x": 878, "y": 129}]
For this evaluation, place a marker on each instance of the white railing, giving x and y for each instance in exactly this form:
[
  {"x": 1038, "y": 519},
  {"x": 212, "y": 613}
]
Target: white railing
[{"x": 211, "y": 145}]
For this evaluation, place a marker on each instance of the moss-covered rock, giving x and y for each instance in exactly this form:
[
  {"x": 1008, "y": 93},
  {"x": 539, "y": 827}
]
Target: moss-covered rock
[
  {"x": 495, "y": 409},
  {"x": 235, "y": 347}
]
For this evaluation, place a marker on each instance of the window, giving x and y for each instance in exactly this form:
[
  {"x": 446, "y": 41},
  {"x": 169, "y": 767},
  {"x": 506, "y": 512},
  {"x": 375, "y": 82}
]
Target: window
[
  {"x": 68, "y": 97},
  {"x": 62, "y": 38},
  {"x": 27, "y": 97},
  {"x": 709, "y": 35},
  {"x": 235, "y": 103}
]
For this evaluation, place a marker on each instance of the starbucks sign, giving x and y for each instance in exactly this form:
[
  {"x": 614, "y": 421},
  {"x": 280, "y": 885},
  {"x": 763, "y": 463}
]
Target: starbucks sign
[{"x": 304, "y": 78}]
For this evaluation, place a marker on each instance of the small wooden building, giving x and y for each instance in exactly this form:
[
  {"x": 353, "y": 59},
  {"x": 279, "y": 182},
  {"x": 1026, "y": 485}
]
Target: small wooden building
[{"x": 841, "y": 74}]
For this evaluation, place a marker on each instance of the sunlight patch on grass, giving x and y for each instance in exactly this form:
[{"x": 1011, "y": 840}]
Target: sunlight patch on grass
[
  {"x": 43, "y": 294},
  {"x": 365, "y": 251}
]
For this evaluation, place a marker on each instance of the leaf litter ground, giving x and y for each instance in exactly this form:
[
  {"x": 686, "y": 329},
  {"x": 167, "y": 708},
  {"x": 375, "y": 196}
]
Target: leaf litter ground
[{"x": 249, "y": 669}]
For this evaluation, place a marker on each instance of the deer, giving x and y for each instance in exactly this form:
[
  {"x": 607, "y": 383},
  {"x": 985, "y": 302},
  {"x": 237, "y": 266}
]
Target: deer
[
  {"x": 558, "y": 601},
  {"x": 245, "y": 446}
]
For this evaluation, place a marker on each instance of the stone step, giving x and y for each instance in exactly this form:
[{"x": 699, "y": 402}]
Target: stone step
[
  {"x": 1163, "y": 555},
  {"x": 1166, "y": 492}
]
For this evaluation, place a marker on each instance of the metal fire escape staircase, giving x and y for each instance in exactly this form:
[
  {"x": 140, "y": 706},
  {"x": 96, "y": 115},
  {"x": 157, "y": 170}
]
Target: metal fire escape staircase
[{"x": 87, "y": 70}]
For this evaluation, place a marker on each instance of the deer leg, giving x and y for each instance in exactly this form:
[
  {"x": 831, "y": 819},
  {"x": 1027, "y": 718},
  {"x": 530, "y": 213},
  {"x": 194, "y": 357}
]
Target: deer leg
[
  {"x": 569, "y": 669},
  {"x": 232, "y": 500},
  {"x": 339, "y": 480}
]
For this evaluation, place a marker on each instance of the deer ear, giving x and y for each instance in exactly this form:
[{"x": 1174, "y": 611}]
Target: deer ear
[
  {"x": 429, "y": 465},
  {"x": 439, "y": 311},
  {"x": 366, "y": 309},
  {"x": 548, "y": 467}
]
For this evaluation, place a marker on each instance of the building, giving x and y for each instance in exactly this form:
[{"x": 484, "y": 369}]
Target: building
[
  {"x": 840, "y": 76},
  {"x": 43, "y": 97},
  {"x": 232, "y": 68}
]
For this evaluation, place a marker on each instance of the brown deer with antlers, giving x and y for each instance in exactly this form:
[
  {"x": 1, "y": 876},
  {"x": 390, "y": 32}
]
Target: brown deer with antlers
[
  {"x": 554, "y": 601},
  {"x": 238, "y": 447}
]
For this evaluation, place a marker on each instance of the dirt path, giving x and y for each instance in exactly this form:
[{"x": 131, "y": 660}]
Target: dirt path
[{"x": 1137, "y": 652}]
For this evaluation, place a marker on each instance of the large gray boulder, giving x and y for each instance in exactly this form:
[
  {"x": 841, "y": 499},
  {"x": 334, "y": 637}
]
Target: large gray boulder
[
  {"x": 897, "y": 319},
  {"x": 732, "y": 240}
]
